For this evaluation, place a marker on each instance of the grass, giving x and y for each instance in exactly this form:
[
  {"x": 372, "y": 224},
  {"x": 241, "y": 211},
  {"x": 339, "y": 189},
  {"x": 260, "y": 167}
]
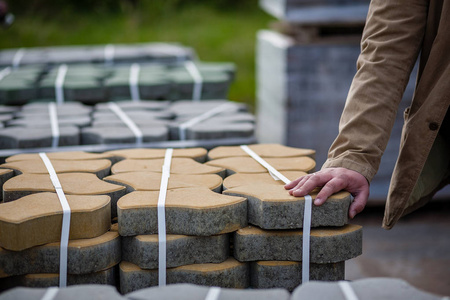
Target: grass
[{"x": 215, "y": 32}]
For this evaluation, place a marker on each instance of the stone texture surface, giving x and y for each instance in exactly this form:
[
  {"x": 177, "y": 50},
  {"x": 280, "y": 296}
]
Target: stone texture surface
[
  {"x": 195, "y": 292},
  {"x": 263, "y": 150},
  {"x": 143, "y": 250},
  {"x": 271, "y": 207},
  {"x": 37, "y": 219},
  {"x": 189, "y": 211},
  {"x": 217, "y": 129},
  {"x": 197, "y": 154},
  {"x": 5, "y": 175},
  {"x": 26, "y": 137},
  {"x": 327, "y": 244},
  {"x": 150, "y": 181},
  {"x": 122, "y": 135},
  {"x": 229, "y": 274},
  {"x": 88, "y": 291},
  {"x": 241, "y": 164},
  {"x": 368, "y": 289},
  {"x": 99, "y": 167},
  {"x": 108, "y": 277},
  {"x": 178, "y": 166},
  {"x": 72, "y": 184},
  {"x": 288, "y": 274},
  {"x": 240, "y": 179},
  {"x": 84, "y": 256}
]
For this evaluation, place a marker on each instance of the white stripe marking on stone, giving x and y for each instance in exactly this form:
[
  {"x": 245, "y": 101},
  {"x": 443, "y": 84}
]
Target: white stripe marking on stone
[
  {"x": 17, "y": 58},
  {"x": 134, "y": 82},
  {"x": 162, "y": 217},
  {"x": 5, "y": 72},
  {"x": 347, "y": 290},
  {"x": 206, "y": 115},
  {"x": 198, "y": 80},
  {"x": 127, "y": 121},
  {"x": 50, "y": 293},
  {"x": 59, "y": 84},
  {"x": 109, "y": 54},
  {"x": 65, "y": 221},
  {"x": 54, "y": 124},
  {"x": 306, "y": 238},
  {"x": 213, "y": 293}
]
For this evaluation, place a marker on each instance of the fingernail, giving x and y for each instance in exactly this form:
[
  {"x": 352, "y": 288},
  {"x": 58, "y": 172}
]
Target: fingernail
[{"x": 317, "y": 201}]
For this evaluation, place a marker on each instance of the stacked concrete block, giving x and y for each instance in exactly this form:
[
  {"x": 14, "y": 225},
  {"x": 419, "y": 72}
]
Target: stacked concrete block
[
  {"x": 272, "y": 244},
  {"x": 105, "y": 54},
  {"x": 18, "y": 86},
  {"x": 305, "y": 66},
  {"x": 365, "y": 289}
]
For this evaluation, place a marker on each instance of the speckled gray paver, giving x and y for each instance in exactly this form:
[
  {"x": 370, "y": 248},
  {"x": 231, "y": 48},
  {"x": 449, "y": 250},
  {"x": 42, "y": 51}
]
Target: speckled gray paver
[
  {"x": 88, "y": 291},
  {"x": 25, "y": 137},
  {"x": 367, "y": 289},
  {"x": 122, "y": 135},
  {"x": 229, "y": 274},
  {"x": 189, "y": 211},
  {"x": 143, "y": 250},
  {"x": 130, "y": 105},
  {"x": 5, "y": 175},
  {"x": 194, "y": 292},
  {"x": 108, "y": 276},
  {"x": 271, "y": 207},
  {"x": 150, "y": 181},
  {"x": 36, "y": 219},
  {"x": 327, "y": 244},
  {"x": 288, "y": 274},
  {"x": 84, "y": 256}
]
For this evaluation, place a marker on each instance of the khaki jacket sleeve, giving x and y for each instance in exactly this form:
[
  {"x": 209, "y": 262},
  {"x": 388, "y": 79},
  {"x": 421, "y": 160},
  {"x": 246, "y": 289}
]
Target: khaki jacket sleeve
[{"x": 390, "y": 45}]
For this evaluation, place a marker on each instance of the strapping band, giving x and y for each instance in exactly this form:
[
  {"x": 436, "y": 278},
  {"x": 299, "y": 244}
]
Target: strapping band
[
  {"x": 17, "y": 58},
  {"x": 59, "y": 84},
  {"x": 125, "y": 119},
  {"x": 213, "y": 293},
  {"x": 54, "y": 124},
  {"x": 347, "y": 290},
  {"x": 109, "y": 54},
  {"x": 210, "y": 113},
  {"x": 162, "y": 217},
  {"x": 5, "y": 72},
  {"x": 306, "y": 215},
  {"x": 65, "y": 221},
  {"x": 306, "y": 238},
  {"x": 50, "y": 293},
  {"x": 134, "y": 82},
  {"x": 198, "y": 80}
]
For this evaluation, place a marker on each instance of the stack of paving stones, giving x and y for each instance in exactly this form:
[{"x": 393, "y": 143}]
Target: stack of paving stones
[
  {"x": 228, "y": 222},
  {"x": 17, "y": 86},
  {"x": 305, "y": 66},
  {"x": 31, "y": 126},
  {"x": 272, "y": 243},
  {"x": 364, "y": 289}
]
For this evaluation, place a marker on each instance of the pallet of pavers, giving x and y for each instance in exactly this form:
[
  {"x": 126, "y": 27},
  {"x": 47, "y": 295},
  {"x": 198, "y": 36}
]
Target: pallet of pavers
[
  {"x": 223, "y": 221},
  {"x": 272, "y": 243}
]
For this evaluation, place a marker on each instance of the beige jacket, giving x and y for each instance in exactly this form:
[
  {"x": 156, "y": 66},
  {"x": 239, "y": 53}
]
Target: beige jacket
[{"x": 396, "y": 32}]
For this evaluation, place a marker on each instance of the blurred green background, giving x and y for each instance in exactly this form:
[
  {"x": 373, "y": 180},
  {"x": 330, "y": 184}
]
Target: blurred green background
[{"x": 218, "y": 30}]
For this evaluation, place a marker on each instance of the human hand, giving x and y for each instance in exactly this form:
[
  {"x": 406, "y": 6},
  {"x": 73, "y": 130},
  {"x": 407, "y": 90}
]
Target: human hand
[{"x": 333, "y": 180}]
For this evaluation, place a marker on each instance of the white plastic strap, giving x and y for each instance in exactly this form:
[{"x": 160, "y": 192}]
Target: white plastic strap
[
  {"x": 206, "y": 115},
  {"x": 17, "y": 58},
  {"x": 213, "y": 293},
  {"x": 347, "y": 290},
  {"x": 124, "y": 117},
  {"x": 65, "y": 221},
  {"x": 50, "y": 293},
  {"x": 306, "y": 238},
  {"x": 134, "y": 82},
  {"x": 162, "y": 217},
  {"x": 5, "y": 72},
  {"x": 54, "y": 124},
  {"x": 273, "y": 172},
  {"x": 198, "y": 80},
  {"x": 59, "y": 84},
  {"x": 109, "y": 54}
]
